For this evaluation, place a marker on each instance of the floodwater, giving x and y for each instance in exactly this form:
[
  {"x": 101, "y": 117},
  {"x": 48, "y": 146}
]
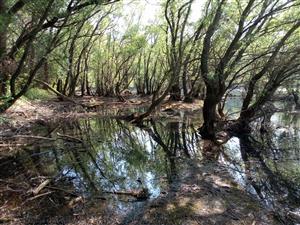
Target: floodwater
[{"x": 99, "y": 158}]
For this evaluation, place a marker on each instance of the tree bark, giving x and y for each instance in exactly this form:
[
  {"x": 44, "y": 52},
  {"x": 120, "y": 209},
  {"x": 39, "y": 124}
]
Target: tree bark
[
  {"x": 175, "y": 93},
  {"x": 207, "y": 130},
  {"x": 296, "y": 100}
]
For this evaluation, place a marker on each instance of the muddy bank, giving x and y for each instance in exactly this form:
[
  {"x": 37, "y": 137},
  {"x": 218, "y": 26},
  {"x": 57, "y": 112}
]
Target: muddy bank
[
  {"x": 25, "y": 113},
  {"x": 205, "y": 194}
]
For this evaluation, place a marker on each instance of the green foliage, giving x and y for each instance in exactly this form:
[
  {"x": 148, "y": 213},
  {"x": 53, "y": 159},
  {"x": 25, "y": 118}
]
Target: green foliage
[
  {"x": 115, "y": 48},
  {"x": 3, "y": 120},
  {"x": 4, "y": 18}
]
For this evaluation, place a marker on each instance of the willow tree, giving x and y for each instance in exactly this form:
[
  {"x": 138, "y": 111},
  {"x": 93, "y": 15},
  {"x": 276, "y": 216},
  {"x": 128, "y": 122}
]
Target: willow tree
[
  {"x": 46, "y": 17},
  {"x": 176, "y": 15},
  {"x": 247, "y": 41}
]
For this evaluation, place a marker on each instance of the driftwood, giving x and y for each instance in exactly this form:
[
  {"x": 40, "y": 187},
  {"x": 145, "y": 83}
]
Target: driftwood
[
  {"x": 40, "y": 195},
  {"x": 37, "y": 190},
  {"x": 75, "y": 201}
]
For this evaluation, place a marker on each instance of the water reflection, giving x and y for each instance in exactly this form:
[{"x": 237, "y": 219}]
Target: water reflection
[
  {"x": 268, "y": 164},
  {"x": 99, "y": 155},
  {"x": 96, "y": 158}
]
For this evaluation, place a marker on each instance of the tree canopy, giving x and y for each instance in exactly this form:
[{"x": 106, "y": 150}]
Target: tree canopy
[{"x": 102, "y": 48}]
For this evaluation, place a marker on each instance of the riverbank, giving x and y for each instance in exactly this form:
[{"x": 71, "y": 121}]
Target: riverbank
[{"x": 27, "y": 112}]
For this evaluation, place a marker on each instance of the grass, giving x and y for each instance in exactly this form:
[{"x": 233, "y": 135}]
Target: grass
[{"x": 38, "y": 94}]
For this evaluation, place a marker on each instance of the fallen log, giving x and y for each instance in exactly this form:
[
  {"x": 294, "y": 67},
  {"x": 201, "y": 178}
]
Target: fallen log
[{"x": 64, "y": 97}]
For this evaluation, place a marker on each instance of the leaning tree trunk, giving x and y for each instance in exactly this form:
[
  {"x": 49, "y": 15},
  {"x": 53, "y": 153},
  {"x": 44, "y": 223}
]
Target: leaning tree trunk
[{"x": 248, "y": 113}]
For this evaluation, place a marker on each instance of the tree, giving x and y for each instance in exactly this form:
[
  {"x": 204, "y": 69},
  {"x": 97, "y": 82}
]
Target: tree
[
  {"x": 255, "y": 21},
  {"x": 47, "y": 15},
  {"x": 176, "y": 14}
]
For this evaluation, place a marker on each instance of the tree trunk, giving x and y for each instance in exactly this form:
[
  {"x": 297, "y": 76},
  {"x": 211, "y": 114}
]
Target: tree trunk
[
  {"x": 175, "y": 93},
  {"x": 296, "y": 100},
  {"x": 46, "y": 72},
  {"x": 207, "y": 130},
  {"x": 214, "y": 94},
  {"x": 87, "y": 84},
  {"x": 6, "y": 105},
  {"x": 3, "y": 40},
  {"x": 185, "y": 83},
  {"x": 83, "y": 86},
  {"x": 59, "y": 86}
]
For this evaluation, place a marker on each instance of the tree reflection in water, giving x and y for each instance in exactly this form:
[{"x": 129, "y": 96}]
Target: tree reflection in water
[
  {"x": 267, "y": 165},
  {"x": 93, "y": 156}
]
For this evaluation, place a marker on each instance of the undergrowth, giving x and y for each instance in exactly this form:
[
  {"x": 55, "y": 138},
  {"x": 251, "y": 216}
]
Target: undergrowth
[{"x": 38, "y": 94}]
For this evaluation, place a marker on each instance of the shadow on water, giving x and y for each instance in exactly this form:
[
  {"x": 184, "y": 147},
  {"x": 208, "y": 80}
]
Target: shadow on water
[{"x": 103, "y": 163}]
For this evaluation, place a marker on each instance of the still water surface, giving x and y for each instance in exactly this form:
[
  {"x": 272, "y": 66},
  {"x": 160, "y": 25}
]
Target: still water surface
[{"x": 93, "y": 156}]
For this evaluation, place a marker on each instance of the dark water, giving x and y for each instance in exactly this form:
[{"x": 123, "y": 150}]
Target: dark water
[{"x": 93, "y": 156}]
